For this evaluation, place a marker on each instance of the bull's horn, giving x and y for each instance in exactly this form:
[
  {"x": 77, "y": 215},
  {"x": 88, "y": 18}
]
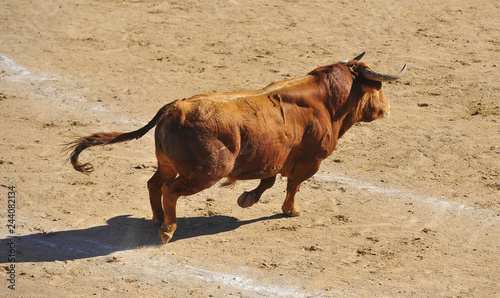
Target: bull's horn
[
  {"x": 357, "y": 58},
  {"x": 375, "y": 76}
]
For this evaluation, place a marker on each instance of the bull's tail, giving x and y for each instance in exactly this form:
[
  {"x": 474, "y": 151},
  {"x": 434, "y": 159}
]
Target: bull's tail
[{"x": 103, "y": 138}]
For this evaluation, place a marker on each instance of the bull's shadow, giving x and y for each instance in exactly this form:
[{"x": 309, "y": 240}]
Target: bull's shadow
[{"x": 121, "y": 233}]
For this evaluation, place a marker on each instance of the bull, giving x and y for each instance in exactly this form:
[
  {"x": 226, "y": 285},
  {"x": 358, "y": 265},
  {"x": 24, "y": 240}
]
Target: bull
[{"x": 288, "y": 127}]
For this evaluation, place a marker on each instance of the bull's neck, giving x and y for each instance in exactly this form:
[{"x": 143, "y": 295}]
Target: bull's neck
[
  {"x": 342, "y": 125},
  {"x": 343, "y": 114}
]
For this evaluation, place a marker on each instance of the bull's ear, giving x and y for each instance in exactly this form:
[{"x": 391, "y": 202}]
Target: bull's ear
[{"x": 370, "y": 86}]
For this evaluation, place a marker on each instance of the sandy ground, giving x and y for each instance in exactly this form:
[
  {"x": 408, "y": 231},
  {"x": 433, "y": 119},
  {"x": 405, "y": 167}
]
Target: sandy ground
[{"x": 406, "y": 206}]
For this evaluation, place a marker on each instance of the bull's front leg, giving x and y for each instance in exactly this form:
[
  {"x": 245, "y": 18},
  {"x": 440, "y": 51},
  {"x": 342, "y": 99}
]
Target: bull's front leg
[
  {"x": 248, "y": 198},
  {"x": 301, "y": 173},
  {"x": 289, "y": 207}
]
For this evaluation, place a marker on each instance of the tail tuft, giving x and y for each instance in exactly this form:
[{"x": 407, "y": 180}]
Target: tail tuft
[{"x": 80, "y": 144}]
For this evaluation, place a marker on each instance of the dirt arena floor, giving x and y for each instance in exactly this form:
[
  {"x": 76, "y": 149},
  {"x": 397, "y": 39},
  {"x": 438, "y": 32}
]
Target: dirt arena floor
[{"x": 405, "y": 206}]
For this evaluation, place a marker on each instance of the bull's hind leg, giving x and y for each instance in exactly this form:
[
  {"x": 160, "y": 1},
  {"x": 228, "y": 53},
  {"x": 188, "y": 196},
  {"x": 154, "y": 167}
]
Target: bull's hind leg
[
  {"x": 248, "y": 198},
  {"x": 163, "y": 174},
  {"x": 172, "y": 190}
]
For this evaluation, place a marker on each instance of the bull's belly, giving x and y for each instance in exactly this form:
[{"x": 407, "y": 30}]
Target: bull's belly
[
  {"x": 258, "y": 168},
  {"x": 263, "y": 173}
]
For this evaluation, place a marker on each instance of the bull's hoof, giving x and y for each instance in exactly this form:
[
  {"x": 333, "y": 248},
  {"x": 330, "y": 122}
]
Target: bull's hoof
[
  {"x": 166, "y": 234},
  {"x": 293, "y": 212},
  {"x": 247, "y": 199}
]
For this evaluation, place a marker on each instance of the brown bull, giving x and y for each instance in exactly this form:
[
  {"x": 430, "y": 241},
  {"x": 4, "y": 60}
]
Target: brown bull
[{"x": 286, "y": 128}]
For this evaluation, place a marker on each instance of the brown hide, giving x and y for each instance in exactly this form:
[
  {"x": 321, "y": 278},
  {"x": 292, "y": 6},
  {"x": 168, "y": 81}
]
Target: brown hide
[{"x": 286, "y": 128}]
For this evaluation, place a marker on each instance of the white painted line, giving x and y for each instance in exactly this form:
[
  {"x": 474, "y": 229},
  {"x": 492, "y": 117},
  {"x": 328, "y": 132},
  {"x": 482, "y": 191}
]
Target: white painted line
[
  {"x": 185, "y": 272},
  {"x": 68, "y": 100},
  {"x": 337, "y": 178},
  {"x": 243, "y": 283},
  {"x": 16, "y": 72},
  {"x": 53, "y": 245}
]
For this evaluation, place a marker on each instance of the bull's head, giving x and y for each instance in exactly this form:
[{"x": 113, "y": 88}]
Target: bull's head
[{"x": 372, "y": 104}]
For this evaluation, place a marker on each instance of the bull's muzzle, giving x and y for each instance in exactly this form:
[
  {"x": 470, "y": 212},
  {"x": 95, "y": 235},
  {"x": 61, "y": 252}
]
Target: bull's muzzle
[{"x": 384, "y": 113}]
